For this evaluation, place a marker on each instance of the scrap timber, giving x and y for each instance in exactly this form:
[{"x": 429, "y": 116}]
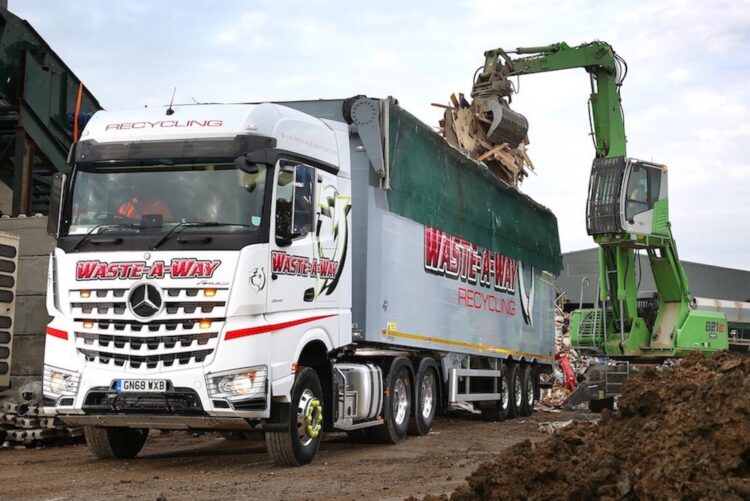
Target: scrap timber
[{"x": 465, "y": 126}]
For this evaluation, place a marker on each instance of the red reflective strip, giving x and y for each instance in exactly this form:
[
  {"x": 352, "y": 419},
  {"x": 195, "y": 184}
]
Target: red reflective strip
[
  {"x": 261, "y": 329},
  {"x": 57, "y": 333}
]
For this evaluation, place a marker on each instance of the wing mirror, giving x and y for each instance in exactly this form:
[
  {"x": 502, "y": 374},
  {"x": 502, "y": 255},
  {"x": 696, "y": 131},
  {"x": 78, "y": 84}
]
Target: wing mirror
[{"x": 245, "y": 165}]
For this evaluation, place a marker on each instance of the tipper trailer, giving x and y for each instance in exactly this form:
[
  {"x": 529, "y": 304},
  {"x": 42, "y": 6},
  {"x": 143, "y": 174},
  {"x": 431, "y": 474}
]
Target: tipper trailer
[{"x": 290, "y": 268}]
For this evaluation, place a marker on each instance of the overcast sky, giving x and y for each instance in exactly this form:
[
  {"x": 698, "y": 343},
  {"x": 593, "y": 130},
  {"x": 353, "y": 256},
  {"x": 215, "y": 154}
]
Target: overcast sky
[{"x": 686, "y": 97}]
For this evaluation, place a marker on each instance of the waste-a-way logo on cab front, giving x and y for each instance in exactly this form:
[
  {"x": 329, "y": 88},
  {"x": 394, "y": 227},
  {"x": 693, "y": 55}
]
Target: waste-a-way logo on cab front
[{"x": 121, "y": 270}]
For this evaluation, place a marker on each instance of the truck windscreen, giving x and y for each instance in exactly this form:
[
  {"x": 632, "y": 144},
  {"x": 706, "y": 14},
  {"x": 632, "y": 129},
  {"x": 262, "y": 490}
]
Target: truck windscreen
[{"x": 133, "y": 198}]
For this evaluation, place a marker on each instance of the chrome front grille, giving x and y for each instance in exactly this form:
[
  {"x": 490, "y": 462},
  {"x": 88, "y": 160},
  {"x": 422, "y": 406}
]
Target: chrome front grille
[
  {"x": 184, "y": 333},
  {"x": 134, "y": 343},
  {"x": 178, "y": 301},
  {"x": 150, "y": 361}
]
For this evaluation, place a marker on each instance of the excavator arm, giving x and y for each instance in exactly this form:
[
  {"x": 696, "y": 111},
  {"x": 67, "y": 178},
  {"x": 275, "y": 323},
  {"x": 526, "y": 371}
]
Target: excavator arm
[{"x": 605, "y": 68}]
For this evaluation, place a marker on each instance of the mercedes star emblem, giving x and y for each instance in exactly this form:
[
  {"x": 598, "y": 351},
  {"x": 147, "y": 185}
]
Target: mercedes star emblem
[{"x": 145, "y": 300}]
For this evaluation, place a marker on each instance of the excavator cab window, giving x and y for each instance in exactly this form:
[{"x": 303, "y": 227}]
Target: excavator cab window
[{"x": 642, "y": 190}]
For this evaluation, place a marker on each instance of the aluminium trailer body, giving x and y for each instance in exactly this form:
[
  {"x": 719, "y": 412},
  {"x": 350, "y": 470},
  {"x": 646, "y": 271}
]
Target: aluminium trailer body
[
  {"x": 323, "y": 265},
  {"x": 447, "y": 258}
]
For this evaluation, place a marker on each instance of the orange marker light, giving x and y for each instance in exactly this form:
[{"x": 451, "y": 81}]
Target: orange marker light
[
  {"x": 85, "y": 294},
  {"x": 209, "y": 292},
  {"x": 204, "y": 323},
  {"x": 88, "y": 324}
]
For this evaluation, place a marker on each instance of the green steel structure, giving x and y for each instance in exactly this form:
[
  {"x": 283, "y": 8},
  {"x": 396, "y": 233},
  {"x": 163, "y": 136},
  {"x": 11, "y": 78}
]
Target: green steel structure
[
  {"x": 38, "y": 98},
  {"x": 627, "y": 213}
]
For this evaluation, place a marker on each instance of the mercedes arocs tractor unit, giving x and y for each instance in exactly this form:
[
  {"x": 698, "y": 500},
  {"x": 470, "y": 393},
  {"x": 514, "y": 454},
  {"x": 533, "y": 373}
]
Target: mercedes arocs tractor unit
[{"x": 290, "y": 268}]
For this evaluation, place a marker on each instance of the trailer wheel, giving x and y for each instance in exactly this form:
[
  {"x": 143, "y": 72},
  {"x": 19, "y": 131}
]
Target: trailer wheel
[
  {"x": 299, "y": 443},
  {"x": 426, "y": 399},
  {"x": 499, "y": 412},
  {"x": 527, "y": 379},
  {"x": 115, "y": 443},
  {"x": 397, "y": 403},
  {"x": 515, "y": 377}
]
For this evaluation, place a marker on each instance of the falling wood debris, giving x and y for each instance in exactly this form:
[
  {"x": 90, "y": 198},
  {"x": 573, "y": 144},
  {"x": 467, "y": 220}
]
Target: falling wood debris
[{"x": 465, "y": 126}]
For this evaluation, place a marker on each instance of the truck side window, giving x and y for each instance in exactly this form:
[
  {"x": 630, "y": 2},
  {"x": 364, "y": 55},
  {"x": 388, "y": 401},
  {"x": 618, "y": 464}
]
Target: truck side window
[
  {"x": 303, "y": 200},
  {"x": 294, "y": 201}
]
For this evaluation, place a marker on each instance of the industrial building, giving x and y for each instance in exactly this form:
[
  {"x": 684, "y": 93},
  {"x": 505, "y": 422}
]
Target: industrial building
[{"x": 580, "y": 277}]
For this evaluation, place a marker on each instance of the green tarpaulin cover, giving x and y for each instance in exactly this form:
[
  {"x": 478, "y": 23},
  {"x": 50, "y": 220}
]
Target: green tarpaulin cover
[{"x": 435, "y": 185}]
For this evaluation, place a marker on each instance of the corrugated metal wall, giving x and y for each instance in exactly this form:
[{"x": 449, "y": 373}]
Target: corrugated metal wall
[
  {"x": 705, "y": 280},
  {"x": 31, "y": 312}
]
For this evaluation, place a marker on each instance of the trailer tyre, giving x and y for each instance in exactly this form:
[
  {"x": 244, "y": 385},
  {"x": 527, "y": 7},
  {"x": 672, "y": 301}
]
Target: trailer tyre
[
  {"x": 115, "y": 443},
  {"x": 529, "y": 395},
  {"x": 426, "y": 395},
  {"x": 515, "y": 377},
  {"x": 397, "y": 403},
  {"x": 499, "y": 412},
  {"x": 299, "y": 443}
]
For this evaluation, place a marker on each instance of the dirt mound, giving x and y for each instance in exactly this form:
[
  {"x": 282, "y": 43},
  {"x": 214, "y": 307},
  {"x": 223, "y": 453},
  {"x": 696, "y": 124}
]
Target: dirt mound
[{"x": 682, "y": 432}]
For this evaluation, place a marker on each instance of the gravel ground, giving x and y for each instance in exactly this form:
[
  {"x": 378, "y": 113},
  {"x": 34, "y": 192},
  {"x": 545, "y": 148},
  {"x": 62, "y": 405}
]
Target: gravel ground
[{"x": 177, "y": 466}]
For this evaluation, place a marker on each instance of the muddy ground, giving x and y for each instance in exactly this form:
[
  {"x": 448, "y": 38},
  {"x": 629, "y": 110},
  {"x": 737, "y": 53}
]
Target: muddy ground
[
  {"x": 680, "y": 433},
  {"x": 177, "y": 466}
]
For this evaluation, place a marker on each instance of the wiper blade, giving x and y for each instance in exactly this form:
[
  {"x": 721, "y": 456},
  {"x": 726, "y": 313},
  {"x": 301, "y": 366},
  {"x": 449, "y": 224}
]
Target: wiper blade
[
  {"x": 188, "y": 224},
  {"x": 104, "y": 227}
]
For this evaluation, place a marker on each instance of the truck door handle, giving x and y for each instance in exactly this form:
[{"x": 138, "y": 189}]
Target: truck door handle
[{"x": 274, "y": 276}]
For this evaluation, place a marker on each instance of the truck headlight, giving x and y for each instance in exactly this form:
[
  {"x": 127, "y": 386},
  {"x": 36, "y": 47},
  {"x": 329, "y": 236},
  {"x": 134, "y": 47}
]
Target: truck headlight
[
  {"x": 238, "y": 384},
  {"x": 59, "y": 382}
]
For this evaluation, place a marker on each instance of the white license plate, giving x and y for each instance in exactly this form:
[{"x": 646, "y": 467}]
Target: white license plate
[{"x": 141, "y": 385}]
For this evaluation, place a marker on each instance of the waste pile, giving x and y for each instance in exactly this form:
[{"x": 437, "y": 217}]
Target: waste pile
[
  {"x": 680, "y": 433},
  {"x": 23, "y": 424},
  {"x": 570, "y": 365},
  {"x": 473, "y": 129}
]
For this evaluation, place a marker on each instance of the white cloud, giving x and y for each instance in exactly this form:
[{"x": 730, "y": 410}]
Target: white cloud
[
  {"x": 246, "y": 30},
  {"x": 678, "y": 75}
]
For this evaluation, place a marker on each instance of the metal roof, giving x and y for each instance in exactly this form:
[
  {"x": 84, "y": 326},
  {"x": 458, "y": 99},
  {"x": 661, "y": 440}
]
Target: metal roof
[{"x": 705, "y": 280}]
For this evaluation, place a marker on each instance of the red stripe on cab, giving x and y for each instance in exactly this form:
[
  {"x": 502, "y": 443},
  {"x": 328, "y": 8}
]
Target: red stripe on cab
[
  {"x": 57, "y": 333},
  {"x": 262, "y": 329}
]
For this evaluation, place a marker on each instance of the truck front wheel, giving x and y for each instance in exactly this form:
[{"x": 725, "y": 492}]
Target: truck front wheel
[
  {"x": 115, "y": 443},
  {"x": 298, "y": 444}
]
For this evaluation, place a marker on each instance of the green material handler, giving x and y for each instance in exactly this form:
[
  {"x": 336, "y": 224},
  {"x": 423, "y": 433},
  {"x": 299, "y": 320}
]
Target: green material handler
[{"x": 627, "y": 213}]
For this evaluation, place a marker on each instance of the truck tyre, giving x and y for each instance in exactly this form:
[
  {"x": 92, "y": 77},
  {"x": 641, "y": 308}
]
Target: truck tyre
[
  {"x": 115, "y": 443},
  {"x": 397, "y": 403},
  {"x": 426, "y": 399},
  {"x": 527, "y": 404},
  {"x": 499, "y": 412},
  {"x": 299, "y": 443},
  {"x": 515, "y": 378}
]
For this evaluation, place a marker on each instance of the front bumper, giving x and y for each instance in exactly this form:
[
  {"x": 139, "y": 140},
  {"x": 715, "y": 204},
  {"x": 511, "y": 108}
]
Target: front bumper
[
  {"x": 187, "y": 396},
  {"x": 160, "y": 422}
]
